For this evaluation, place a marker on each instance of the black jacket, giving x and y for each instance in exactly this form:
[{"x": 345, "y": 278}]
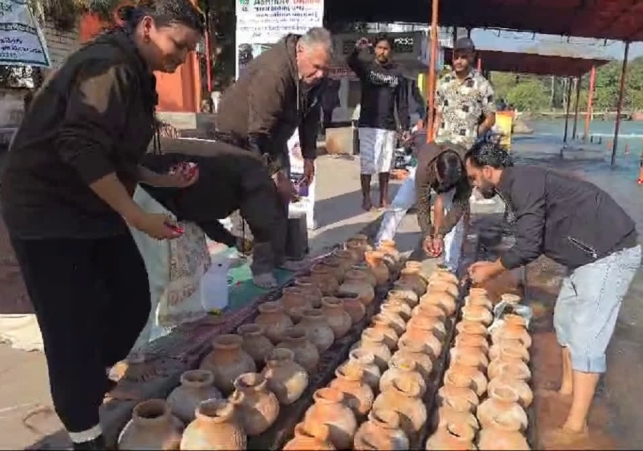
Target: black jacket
[
  {"x": 383, "y": 86},
  {"x": 570, "y": 220}
]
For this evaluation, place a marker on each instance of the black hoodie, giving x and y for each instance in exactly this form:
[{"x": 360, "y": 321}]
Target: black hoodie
[{"x": 383, "y": 87}]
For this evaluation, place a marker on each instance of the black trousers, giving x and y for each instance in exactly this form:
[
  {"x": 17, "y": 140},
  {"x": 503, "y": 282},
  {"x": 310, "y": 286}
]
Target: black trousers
[{"x": 91, "y": 298}]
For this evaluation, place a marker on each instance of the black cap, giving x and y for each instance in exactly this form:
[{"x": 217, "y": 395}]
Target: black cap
[{"x": 464, "y": 45}]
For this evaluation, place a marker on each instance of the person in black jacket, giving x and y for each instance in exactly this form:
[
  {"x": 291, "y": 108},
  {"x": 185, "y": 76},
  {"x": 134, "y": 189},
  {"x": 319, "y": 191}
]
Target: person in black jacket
[
  {"x": 580, "y": 226},
  {"x": 383, "y": 87}
]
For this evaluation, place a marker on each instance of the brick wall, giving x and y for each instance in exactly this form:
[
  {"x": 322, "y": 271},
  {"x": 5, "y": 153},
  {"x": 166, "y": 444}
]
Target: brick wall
[{"x": 60, "y": 43}]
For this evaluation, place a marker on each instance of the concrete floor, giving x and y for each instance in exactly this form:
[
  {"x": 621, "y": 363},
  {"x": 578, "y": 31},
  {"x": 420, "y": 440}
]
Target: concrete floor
[{"x": 24, "y": 390}]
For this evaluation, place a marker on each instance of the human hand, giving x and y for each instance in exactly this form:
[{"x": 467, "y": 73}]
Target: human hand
[
  {"x": 433, "y": 246},
  {"x": 405, "y": 136},
  {"x": 181, "y": 175},
  {"x": 482, "y": 271},
  {"x": 285, "y": 187},
  {"x": 156, "y": 225},
  {"x": 362, "y": 43},
  {"x": 309, "y": 171}
]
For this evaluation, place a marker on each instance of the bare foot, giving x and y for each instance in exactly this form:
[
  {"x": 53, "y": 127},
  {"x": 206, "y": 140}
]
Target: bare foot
[
  {"x": 367, "y": 204},
  {"x": 265, "y": 281},
  {"x": 562, "y": 436},
  {"x": 384, "y": 204}
]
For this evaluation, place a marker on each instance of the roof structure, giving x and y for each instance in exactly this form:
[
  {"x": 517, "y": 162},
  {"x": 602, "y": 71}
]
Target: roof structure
[
  {"x": 602, "y": 19},
  {"x": 534, "y": 63}
]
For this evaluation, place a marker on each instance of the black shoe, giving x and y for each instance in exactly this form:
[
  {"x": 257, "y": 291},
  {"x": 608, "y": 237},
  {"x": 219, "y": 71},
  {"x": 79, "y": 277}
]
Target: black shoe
[{"x": 97, "y": 443}]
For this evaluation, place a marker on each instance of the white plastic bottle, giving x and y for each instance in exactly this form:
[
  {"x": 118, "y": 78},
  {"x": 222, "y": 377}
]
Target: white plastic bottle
[{"x": 214, "y": 285}]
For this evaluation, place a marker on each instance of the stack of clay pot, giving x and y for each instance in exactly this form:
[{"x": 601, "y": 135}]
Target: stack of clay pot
[{"x": 485, "y": 387}]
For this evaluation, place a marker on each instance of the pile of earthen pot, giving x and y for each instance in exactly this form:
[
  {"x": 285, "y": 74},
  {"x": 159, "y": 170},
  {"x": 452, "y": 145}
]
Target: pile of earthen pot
[
  {"x": 248, "y": 377},
  {"x": 485, "y": 391}
]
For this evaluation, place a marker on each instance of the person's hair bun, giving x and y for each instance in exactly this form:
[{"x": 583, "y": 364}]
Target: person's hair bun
[{"x": 126, "y": 13}]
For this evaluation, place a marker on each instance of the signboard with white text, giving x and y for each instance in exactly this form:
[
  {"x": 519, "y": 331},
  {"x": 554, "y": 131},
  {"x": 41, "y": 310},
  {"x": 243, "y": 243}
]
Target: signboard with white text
[{"x": 21, "y": 40}]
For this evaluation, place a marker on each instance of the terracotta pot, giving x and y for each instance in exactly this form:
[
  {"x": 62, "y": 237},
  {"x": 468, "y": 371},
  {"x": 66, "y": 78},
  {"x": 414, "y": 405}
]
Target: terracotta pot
[
  {"x": 294, "y": 301},
  {"x": 324, "y": 278},
  {"x": 513, "y": 348},
  {"x": 401, "y": 367},
  {"x": 453, "y": 436},
  {"x": 471, "y": 328},
  {"x": 414, "y": 351},
  {"x": 391, "y": 255},
  {"x": 319, "y": 332},
  {"x": 216, "y": 427},
  {"x": 227, "y": 361},
  {"x": 257, "y": 406},
  {"x": 306, "y": 353},
  {"x": 469, "y": 356},
  {"x": 361, "y": 273},
  {"x": 509, "y": 331},
  {"x": 477, "y": 313},
  {"x": 397, "y": 307},
  {"x": 421, "y": 330},
  {"x": 336, "y": 316},
  {"x": 329, "y": 409},
  {"x": 353, "y": 306},
  {"x": 430, "y": 311},
  {"x": 152, "y": 427},
  {"x": 346, "y": 256},
  {"x": 502, "y": 437},
  {"x": 444, "y": 286},
  {"x": 479, "y": 301},
  {"x": 375, "y": 261},
  {"x": 502, "y": 407},
  {"x": 514, "y": 320},
  {"x": 403, "y": 397},
  {"x": 357, "y": 249},
  {"x": 457, "y": 393},
  {"x": 441, "y": 274},
  {"x": 312, "y": 288},
  {"x": 478, "y": 378},
  {"x": 525, "y": 395},
  {"x": 285, "y": 378},
  {"x": 403, "y": 293},
  {"x": 476, "y": 292},
  {"x": 385, "y": 326},
  {"x": 448, "y": 415},
  {"x": 442, "y": 299},
  {"x": 366, "y": 361},
  {"x": 196, "y": 386},
  {"x": 381, "y": 431},
  {"x": 374, "y": 342},
  {"x": 274, "y": 320},
  {"x": 363, "y": 290},
  {"x": 393, "y": 320},
  {"x": 512, "y": 367},
  {"x": 358, "y": 395},
  {"x": 255, "y": 343},
  {"x": 412, "y": 277},
  {"x": 513, "y": 299},
  {"x": 464, "y": 340},
  {"x": 309, "y": 439},
  {"x": 337, "y": 266},
  {"x": 424, "y": 271}
]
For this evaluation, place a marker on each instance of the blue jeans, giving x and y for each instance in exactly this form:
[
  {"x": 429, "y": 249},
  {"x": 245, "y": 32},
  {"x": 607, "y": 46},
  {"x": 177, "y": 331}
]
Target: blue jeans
[{"x": 588, "y": 304}]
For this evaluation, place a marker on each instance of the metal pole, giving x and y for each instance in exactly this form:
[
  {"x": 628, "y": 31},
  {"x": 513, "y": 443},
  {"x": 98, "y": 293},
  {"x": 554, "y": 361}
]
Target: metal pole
[
  {"x": 619, "y": 105},
  {"x": 208, "y": 50},
  {"x": 577, "y": 79},
  {"x": 433, "y": 57},
  {"x": 590, "y": 97},
  {"x": 569, "y": 101}
]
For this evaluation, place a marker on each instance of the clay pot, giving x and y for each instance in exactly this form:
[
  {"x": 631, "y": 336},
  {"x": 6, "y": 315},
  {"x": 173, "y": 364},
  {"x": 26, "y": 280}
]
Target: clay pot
[
  {"x": 444, "y": 286},
  {"x": 306, "y": 353},
  {"x": 476, "y": 292},
  {"x": 525, "y": 395},
  {"x": 329, "y": 409},
  {"x": 471, "y": 328},
  {"x": 258, "y": 407},
  {"x": 414, "y": 351},
  {"x": 319, "y": 332},
  {"x": 337, "y": 266},
  {"x": 362, "y": 289},
  {"x": 401, "y": 367},
  {"x": 510, "y": 331},
  {"x": 457, "y": 393},
  {"x": 401, "y": 292},
  {"x": 397, "y": 307},
  {"x": 403, "y": 397},
  {"x": 361, "y": 273},
  {"x": 375, "y": 261},
  {"x": 346, "y": 256},
  {"x": 357, "y": 249},
  {"x": 353, "y": 306},
  {"x": 337, "y": 318},
  {"x": 452, "y": 436},
  {"x": 389, "y": 247},
  {"x": 479, "y": 379},
  {"x": 513, "y": 299},
  {"x": 227, "y": 361},
  {"x": 513, "y": 348},
  {"x": 472, "y": 341},
  {"x": 385, "y": 326},
  {"x": 325, "y": 279},
  {"x": 424, "y": 271},
  {"x": 285, "y": 378},
  {"x": 216, "y": 427},
  {"x": 374, "y": 342},
  {"x": 502, "y": 437},
  {"x": 515, "y": 368},
  {"x": 412, "y": 277},
  {"x": 393, "y": 320},
  {"x": 274, "y": 320},
  {"x": 317, "y": 439},
  {"x": 313, "y": 288},
  {"x": 152, "y": 427},
  {"x": 478, "y": 301},
  {"x": 421, "y": 330},
  {"x": 294, "y": 301},
  {"x": 502, "y": 407},
  {"x": 442, "y": 299},
  {"x": 441, "y": 274},
  {"x": 196, "y": 386},
  {"x": 381, "y": 431},
  {"x": 477, "y": 313},
  {"x": 428, "y": 310},
  {"x": 366, "y": 361},
  {"x": 255, "y": 343},
  {"x": 358, "y": 395},
  {"x": 448, "y": 415},
  {"x": 469, "y": 356},
  {"x": 514, "y": 320}
]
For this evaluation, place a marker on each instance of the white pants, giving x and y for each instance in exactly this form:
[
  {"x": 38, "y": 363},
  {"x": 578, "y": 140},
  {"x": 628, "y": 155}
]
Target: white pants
[{"x": 403, "y": 201}]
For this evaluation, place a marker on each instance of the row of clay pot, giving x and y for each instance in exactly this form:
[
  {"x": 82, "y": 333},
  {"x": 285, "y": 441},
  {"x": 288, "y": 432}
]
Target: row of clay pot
[
  {"x": 485, "y": 387},
  {"x": 376, "y": 399}
]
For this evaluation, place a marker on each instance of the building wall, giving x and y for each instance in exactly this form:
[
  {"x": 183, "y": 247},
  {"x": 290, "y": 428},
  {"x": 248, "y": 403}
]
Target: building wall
[{"x": 60, "y": 43}]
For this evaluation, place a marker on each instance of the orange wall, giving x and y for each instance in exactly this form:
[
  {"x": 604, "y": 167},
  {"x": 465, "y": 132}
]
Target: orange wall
[{"x": 180, "y": 91}]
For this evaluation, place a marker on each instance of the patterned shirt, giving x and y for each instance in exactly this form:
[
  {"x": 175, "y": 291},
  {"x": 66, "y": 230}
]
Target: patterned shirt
[{"x": 462, "y": 104}]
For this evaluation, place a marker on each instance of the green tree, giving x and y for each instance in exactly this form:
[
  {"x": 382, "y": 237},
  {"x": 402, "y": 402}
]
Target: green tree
[{"x": 528, "y": 96}]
